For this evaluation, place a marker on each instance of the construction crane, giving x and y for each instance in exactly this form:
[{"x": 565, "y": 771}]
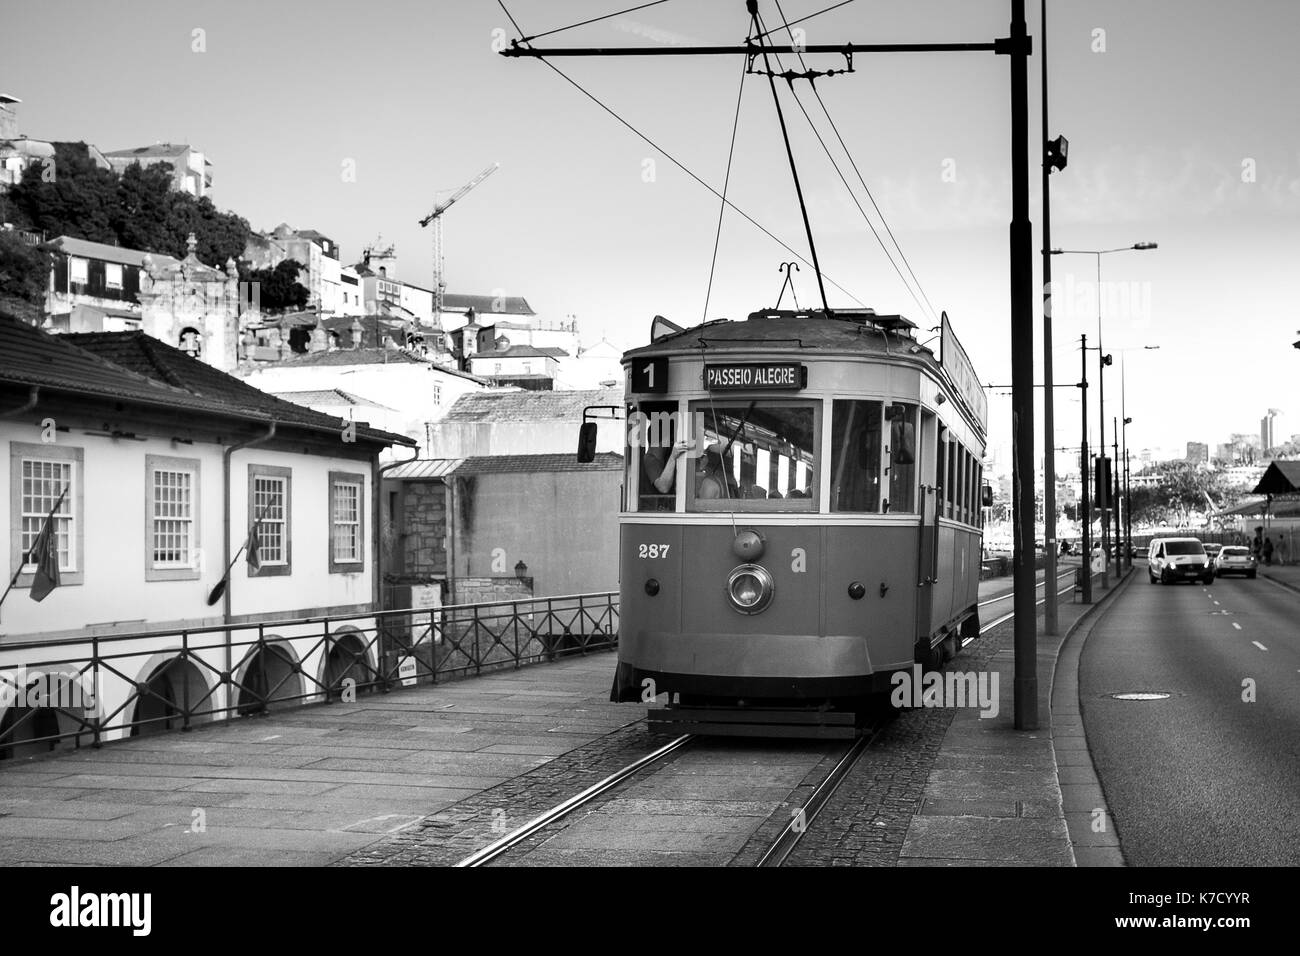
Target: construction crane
[{"x": 435, "y": 217}]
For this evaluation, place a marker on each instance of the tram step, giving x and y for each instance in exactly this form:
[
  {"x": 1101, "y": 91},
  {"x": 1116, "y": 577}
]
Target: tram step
[{"x": 753, "y": 722}]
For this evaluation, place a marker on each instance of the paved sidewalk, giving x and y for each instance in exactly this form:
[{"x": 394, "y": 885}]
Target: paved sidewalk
[
  {"x": 300, "y": 787},
  {"x": 1002, "y": 797},
  {"x": 1284, "y": 574}
]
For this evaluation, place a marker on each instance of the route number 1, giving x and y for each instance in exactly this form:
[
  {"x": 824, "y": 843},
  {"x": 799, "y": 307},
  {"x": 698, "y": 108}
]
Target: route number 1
[{"x": 650, "y": 375}]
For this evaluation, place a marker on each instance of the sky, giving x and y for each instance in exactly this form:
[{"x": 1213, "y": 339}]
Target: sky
[{"x": 353, "y": 119}]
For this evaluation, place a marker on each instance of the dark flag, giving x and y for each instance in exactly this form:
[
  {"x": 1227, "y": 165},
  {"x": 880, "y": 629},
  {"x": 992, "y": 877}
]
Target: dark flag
[
  {"x": 45, "y": 556},
  {"x": 253, "y": 548}
]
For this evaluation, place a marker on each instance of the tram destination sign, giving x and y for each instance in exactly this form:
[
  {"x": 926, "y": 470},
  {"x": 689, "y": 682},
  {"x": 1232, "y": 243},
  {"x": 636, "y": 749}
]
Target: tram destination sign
[{"x": 756, "y": 376}]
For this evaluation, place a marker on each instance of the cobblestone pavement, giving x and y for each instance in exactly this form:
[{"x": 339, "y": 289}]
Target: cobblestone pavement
[{"x": 866, "y": 822}]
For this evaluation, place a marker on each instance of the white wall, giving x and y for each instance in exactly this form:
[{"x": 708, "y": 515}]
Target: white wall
[
  {"x": 115, "y": 597},
  {"x": 406, "y": 387}
]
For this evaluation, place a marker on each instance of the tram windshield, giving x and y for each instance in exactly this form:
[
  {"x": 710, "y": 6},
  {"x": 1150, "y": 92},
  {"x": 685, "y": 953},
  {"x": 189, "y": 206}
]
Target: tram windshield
[{"x": 757, "y": 455}]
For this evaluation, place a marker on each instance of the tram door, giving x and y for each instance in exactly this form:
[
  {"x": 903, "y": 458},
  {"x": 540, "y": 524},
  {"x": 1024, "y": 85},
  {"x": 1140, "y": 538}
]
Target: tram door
[{"x": 930, "y": 458}]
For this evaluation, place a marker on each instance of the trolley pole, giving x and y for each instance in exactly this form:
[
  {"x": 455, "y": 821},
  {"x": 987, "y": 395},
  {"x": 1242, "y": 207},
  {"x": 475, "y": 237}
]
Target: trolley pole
[
  {"x": 1085, "y": 505},
  {"x": 1051, "y": 622},
  {"x": 1022, "y": 381}
]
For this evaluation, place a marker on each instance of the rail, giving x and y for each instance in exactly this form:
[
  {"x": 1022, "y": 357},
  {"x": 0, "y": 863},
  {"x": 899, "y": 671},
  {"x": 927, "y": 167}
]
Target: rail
[{"x": 97, "y": 687}]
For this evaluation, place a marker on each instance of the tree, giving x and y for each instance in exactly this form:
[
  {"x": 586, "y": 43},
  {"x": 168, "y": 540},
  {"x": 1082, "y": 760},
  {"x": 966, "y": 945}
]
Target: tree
[
  {"x": 72, "y": 197},
  {"x": 278, "y": 289},
  {"x": 137, "y": 210},
  {"x": 24, "y": 277}
]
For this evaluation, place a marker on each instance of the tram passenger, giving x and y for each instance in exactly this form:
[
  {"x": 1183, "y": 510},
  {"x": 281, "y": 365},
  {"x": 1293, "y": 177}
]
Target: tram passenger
[
  {"x": 659, "y": 466},
  {"x": 711, "y": 478}
]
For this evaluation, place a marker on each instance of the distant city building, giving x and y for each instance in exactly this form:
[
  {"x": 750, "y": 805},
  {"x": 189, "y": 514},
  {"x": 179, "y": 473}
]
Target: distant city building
[
  {"x": 96, "y": 287},
  {"x": 1266, "y": 441},
  {"x": 1198, "y": 453},
  {"x": 191, "y": 170},
  {"x": 316, "y": 253}
]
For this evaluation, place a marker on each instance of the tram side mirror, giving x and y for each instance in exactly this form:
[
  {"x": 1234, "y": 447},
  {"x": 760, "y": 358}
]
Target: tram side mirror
[
  {"x": 587, "y": 443},
  {"x": 986, "y": 496},
  {"x": 902, "y": 442}
]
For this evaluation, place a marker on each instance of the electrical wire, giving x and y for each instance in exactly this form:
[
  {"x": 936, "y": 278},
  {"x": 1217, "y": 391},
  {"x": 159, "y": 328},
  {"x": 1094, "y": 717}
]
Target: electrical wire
[
  {"x": 538, "y": 36},
  {"x": 861, "y": 180},
  {"x": 717, "y": 238},
  {"x": 836, "y": 6},
  {"x": 680, "y": 165}
]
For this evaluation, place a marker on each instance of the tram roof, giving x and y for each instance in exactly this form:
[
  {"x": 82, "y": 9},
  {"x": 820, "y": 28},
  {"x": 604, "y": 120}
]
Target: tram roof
[{"x": 847, "y": 332}]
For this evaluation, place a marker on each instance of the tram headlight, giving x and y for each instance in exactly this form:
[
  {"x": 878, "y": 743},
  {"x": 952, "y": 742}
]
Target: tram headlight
[{"x": 750, "y": 588}]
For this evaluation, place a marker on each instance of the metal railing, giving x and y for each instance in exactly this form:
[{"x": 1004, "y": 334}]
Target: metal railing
[{"x": 112, "y": 686}]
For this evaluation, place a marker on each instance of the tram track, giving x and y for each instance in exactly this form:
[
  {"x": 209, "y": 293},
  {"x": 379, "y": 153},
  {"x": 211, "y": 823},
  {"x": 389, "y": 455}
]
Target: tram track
[
  {"x": 499, "y": 847},
  {"x": 790, "y": 835}
]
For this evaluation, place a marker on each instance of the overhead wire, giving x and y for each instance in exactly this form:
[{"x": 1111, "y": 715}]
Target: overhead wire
[
  {"x": 835, "y": 6},
  {"x": 682, "y": 166},
  {"x": 675, "y": 161},
  {"x": 538, "y": 36},
  {"x": 722, "y": 208},
  {"x": 861, "y": 179}
]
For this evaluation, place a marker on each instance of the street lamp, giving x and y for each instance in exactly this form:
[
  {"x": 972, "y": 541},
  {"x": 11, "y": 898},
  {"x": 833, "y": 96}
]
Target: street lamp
[
  {"x": 1128, "y": 493},
  {"x": 1055, "y": 153},
  {"x": 1103, "y": 360}
]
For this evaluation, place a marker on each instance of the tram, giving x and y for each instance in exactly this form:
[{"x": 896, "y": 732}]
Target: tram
[{"x": 801, "y": 515}]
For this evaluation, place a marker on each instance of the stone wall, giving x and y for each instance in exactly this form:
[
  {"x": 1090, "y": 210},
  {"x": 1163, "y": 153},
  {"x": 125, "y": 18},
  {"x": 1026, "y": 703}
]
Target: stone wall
[
  {"x": 423, "y": 518},
  {"x": 484, "y": 590}
]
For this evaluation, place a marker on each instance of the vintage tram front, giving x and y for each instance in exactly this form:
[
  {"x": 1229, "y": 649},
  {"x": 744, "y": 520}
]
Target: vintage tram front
[{"x": 801, "y": 513}]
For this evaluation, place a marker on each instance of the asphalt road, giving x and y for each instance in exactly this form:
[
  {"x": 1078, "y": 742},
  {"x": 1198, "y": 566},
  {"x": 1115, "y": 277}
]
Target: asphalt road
[{"x": 1202, "y": 778}]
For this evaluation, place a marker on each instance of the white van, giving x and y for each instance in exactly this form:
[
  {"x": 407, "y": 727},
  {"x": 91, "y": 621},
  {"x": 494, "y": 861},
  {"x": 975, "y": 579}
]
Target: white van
[{"x": 1178, "y": 559}]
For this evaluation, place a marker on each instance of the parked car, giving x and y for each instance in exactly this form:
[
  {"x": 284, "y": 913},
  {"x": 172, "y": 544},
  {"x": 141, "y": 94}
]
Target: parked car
[
  {"x": 1235, "y": 560},
  {"x": 1178, "y": 559},
  {"x": 1212, "y": 550}
]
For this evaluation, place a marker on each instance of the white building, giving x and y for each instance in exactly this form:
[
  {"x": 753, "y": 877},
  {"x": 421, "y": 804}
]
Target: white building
[
  {"x": 167, "y": 464},
  {"x": 523, "y": 423},
  {"x": 410, "y": 392}
]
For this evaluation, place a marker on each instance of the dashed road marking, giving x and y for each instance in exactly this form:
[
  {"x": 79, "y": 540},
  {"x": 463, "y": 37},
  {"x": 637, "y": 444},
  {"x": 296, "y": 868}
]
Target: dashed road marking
[
  {"x": 1236, "y": 625},
  {"x": 1259, "y": 645}
]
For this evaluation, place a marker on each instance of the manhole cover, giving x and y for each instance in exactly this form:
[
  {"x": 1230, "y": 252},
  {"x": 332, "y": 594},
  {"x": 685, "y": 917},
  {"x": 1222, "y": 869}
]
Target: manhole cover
[{"x": 1141, "y": 695}]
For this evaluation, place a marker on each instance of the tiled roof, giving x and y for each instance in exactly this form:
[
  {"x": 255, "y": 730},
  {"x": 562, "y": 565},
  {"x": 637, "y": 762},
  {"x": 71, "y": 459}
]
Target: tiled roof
[
  {"x": 1281, "y": 478},
  {"x": 424, "y": 469},
  {"x": 483, "y": 304},
  {"x": 327, "y": 396},
  {"x": 33, "y": 357},
  {"x": 220, "y": 393},
  {"x": 100, "y": 250},
  {"x": 530, "y": 464},
  {"x": 529, "y": 406},
  {"x": 518, "y": 351},
  {"x": 368, "y": 356},
  {"x": 157, "y": 149}
]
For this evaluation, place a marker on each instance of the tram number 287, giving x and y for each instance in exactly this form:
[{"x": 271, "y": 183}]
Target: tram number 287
[{"x": 653, "y": 551}]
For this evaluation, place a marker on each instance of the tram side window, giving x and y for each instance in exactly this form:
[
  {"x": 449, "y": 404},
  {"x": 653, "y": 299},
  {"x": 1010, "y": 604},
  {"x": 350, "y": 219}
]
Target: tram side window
[
  {"x": 902, "y": 458},
  {"x": 959, "y": 485},
  {"x": 965, "y": 486},
  {"x": 950, "y": 487},
  {"x": 855, "y": 455},
  {"x": 940, "y": 466},
  {"x": 654, "y": 430},
  {"x": 979, "y": 490}
]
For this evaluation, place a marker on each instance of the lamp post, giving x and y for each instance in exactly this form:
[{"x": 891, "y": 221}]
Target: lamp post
[
  {"x": 1103, "y": 360},
  {"x": 1085, "y": 506},
  {"x": 1054, "y": 157},
  {"x": 1123, "y": 410}
]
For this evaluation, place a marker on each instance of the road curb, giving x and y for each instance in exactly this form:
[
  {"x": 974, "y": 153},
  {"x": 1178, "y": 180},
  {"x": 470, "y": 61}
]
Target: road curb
[
  {"x": 1278, "y": 581},
  {"x": 1094, "y": 840}
]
